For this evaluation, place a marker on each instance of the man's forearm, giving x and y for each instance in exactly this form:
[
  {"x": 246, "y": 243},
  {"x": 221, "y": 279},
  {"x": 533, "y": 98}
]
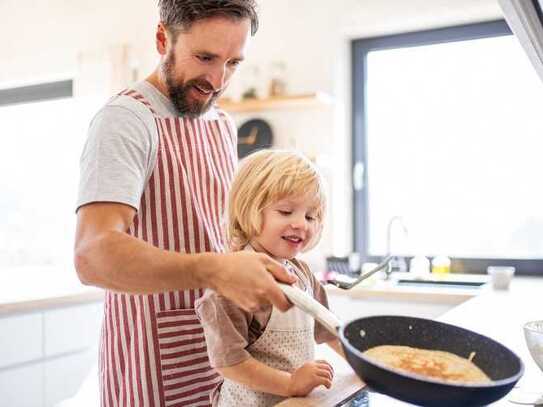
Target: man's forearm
[{"x": 117, "y": 261}]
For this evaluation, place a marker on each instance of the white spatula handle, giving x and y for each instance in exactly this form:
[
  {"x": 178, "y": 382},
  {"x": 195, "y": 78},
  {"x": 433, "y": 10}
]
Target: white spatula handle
[{"x": 312, "y": 307}]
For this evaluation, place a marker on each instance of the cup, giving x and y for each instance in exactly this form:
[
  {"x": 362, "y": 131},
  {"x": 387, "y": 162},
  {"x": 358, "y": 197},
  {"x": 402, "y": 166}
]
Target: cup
[
  {"x": 500, "y": 276},
  {"x": 354, "y": 262},
  {"x": 419, "y": 266}
]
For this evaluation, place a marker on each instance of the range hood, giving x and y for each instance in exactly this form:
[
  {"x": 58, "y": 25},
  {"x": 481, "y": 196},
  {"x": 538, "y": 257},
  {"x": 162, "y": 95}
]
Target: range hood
[{"x": 525, "y": 18}]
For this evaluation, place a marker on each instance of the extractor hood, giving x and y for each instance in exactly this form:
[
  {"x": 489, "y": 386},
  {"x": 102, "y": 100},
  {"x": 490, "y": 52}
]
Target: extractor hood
[{"x": 525, "y": 18}]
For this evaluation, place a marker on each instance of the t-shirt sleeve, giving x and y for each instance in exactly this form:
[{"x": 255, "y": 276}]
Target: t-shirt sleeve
[
  {"x": 117, "y": 159},
  {"x": 319, "y": 293},
  {"x": 226, "y": 329}
]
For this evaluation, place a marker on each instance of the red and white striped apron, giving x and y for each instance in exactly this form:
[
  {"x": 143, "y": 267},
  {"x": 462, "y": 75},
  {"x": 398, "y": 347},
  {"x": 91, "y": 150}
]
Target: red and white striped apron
[{"x": 153, "y": 351}]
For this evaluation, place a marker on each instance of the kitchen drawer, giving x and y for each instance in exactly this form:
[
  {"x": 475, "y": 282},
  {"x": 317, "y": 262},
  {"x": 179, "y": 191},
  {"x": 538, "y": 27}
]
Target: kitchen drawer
[
  {"x": 71, "y": 329},
  {"x": 20, "y": 339},
  {"x": 22, "y": 386},
  {"x": 63, "y": 376}
]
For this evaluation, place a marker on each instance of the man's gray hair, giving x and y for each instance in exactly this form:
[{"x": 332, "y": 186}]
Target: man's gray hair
[{"x": 181, "y": 14}]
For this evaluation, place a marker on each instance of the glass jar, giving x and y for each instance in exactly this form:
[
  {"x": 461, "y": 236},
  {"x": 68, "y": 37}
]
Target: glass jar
[{"x": 441, "y": 265}]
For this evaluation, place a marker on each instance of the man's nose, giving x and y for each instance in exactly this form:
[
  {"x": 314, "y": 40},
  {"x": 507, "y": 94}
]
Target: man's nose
[{"x": 217, "y": 77}]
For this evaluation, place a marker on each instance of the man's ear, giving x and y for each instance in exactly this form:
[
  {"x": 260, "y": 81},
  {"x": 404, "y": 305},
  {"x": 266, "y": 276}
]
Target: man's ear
[{"x": 161, "y": 39}]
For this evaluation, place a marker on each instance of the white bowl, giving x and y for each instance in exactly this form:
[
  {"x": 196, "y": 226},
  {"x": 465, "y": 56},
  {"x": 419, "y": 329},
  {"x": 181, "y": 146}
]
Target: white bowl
[{"x": 533, "y": 332}]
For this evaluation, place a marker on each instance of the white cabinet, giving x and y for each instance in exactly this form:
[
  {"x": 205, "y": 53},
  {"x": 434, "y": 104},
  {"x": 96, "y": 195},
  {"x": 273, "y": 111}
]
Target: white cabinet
[
  {"x": 21, "y": 339},
  {"x": 45, "y": 355},
  {"x": 63, "y": 376},
  {"x": 71, "y": 329},
  {"x": 22, "y": 386}
]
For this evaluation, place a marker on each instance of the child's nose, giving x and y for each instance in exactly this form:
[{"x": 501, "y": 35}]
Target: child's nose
[{"x": 299, "y": 222}]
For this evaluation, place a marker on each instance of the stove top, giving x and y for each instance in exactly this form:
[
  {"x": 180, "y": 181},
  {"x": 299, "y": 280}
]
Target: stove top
[
  {"x": 358, "y": 399},
  {"x": 365, "y": 398}
]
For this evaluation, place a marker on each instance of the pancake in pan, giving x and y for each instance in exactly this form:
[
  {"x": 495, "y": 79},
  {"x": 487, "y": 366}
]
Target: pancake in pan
[{"x": 438, "y": 365}]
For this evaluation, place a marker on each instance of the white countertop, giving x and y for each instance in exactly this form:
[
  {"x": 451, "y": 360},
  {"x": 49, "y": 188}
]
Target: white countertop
[
  {"x": 388, "y": 289},
  {"x": 501, "y": 315},
  {"x": 497, "y": 314},
  {"x": 31, "y": 289},
  {"x": 27, "y": 289}
]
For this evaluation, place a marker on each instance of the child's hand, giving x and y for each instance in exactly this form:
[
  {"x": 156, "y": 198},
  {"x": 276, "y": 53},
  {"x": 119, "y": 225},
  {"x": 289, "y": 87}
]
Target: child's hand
[{"x": 310, "y": 375}]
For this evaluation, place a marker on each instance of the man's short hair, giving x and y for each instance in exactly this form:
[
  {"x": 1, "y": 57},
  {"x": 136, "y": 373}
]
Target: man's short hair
[{"x": 181, "y": 14}]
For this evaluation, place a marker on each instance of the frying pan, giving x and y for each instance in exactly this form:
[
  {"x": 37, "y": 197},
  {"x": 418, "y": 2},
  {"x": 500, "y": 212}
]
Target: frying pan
[{"x": 502, "y": 366}]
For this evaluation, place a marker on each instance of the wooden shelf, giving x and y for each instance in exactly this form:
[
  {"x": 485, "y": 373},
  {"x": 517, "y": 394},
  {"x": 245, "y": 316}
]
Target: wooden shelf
[{"x": 284, "y": 102}]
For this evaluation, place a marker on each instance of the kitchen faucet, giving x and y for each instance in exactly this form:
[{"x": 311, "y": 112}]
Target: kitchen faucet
[{"x": 397, "y": 263}]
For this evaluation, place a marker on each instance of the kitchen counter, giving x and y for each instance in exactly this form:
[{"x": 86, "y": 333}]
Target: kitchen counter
[
  {"x": 497, "y": 314},
  {"x": 389, "y": 289},
  {"x": 49, "y": 331},
  {"x": 35, "y": 289},
  {"x": 29, "y": 289},
  {"x": 501, "y": 315}
]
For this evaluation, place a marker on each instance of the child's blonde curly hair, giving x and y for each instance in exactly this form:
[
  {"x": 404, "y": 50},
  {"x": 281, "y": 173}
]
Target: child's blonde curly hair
[{"x": 263, "y": 178}]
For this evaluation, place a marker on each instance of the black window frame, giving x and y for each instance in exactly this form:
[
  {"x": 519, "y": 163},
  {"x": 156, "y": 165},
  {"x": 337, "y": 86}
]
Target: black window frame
[
  {"x": 35, "y": 93},
  {"x": 359, "y": 51}
]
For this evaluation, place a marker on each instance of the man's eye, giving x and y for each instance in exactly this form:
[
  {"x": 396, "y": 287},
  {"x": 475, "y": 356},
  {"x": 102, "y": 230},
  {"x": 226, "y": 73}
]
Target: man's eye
[
  {"x": 234, "y": 63},
  {"x": 203, "y": 58},
  {"x": 310, "y": 218},
  {"x": 284, "y": 212}
]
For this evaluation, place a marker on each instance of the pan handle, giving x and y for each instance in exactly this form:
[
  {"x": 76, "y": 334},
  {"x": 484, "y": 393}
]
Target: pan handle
[{"x": 312, "y": 307}]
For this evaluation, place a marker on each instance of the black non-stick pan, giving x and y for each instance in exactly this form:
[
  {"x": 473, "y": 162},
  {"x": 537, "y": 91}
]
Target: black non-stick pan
[{"x": 502, "y": 366}]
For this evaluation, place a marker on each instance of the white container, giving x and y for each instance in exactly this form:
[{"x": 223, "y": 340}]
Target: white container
[
  {"x": 419, "y": 267},
  {"x": 441, "y": 265},
  {"x": 354, "y": 262},
  {"x": 501, "y": 276}
]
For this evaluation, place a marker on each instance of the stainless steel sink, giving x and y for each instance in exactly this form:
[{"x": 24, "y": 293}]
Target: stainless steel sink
[{"x": 440, "y": 283}]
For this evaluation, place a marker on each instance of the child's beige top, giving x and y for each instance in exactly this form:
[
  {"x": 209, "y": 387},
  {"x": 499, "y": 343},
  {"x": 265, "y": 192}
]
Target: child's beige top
[{"x": 229, "y": 330}]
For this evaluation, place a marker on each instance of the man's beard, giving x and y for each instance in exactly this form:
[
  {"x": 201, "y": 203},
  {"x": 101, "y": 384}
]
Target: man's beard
[{"x": 179, "y": 92}]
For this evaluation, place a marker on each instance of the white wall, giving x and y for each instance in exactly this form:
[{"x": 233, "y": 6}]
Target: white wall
[{"x": 43, "y": 39}]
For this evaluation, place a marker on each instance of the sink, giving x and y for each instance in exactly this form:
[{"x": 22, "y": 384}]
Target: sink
[{"x": 440, "y": 283}]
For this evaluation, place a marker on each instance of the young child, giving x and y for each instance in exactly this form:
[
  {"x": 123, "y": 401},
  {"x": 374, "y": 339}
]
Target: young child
[{"x": 276, "y": 206}]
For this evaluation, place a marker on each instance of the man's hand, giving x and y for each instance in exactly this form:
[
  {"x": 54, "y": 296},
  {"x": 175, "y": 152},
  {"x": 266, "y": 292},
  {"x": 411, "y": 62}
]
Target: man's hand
[
  {"x": 106, "y": 256},
  {"x": 310, "y": 375},
  {"x": 248, "y": 279}
]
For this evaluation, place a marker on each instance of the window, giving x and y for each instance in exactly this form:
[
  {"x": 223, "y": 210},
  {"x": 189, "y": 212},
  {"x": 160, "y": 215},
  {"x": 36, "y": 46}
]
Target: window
[
  {"x": 447, "y": 126},
  {"x": 43, "y": 129}
]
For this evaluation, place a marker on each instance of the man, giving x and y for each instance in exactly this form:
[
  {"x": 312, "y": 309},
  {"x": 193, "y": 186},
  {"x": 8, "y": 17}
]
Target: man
[{"x": 154, "y": 179}]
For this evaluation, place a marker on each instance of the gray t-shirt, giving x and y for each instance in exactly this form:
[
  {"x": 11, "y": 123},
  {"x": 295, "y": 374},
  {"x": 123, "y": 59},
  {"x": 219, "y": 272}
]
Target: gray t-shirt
[{"x": 121, "y": 149}]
